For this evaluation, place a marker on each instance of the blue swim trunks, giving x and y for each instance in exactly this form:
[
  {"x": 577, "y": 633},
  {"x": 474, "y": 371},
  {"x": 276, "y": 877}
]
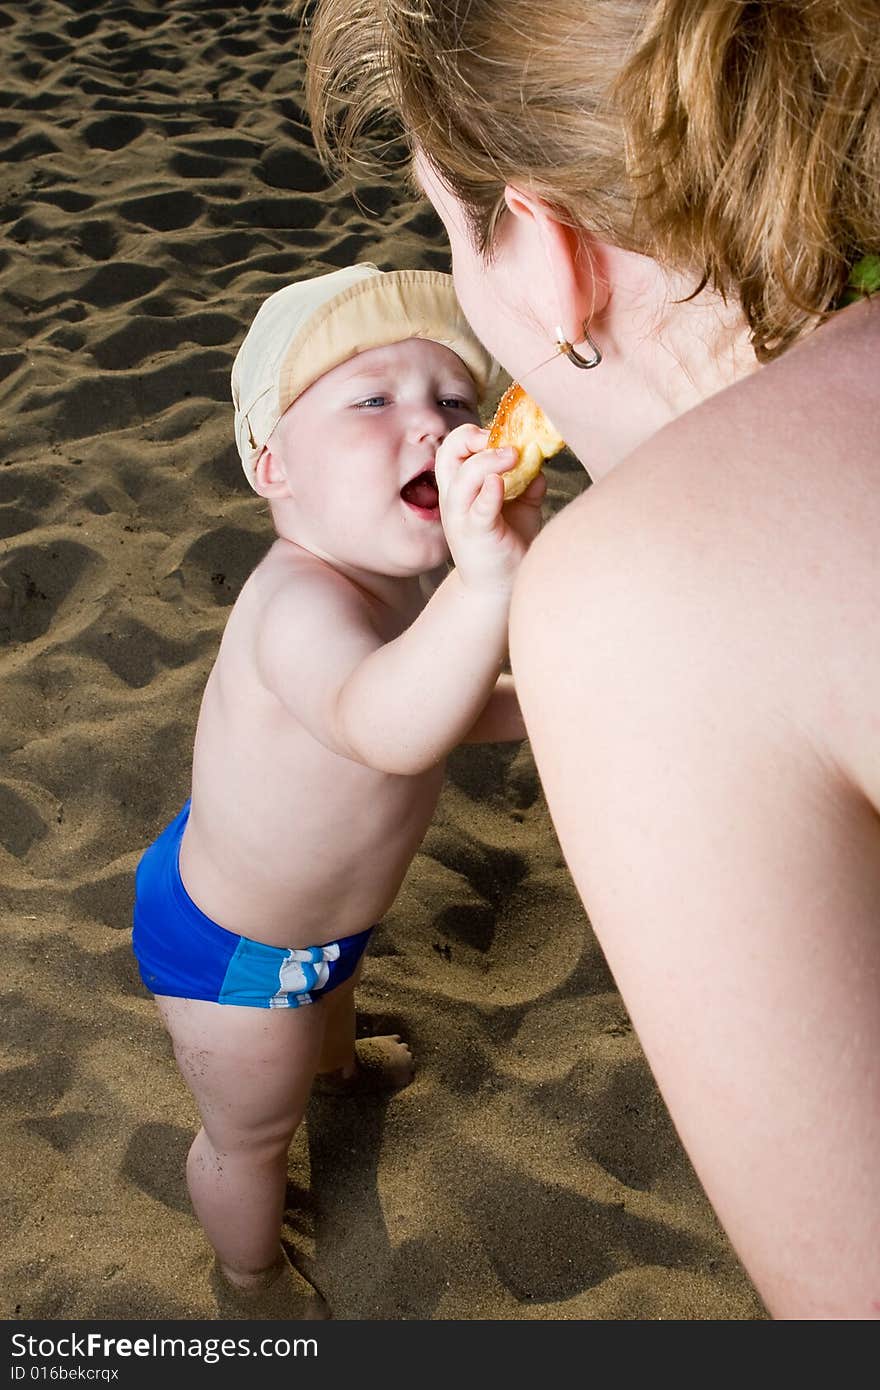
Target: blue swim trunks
[{"x": 182, "y": 952}]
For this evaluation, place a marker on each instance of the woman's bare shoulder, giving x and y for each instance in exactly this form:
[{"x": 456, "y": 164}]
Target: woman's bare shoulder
[
  {"x": 788, "y": 456},
  {"x": 738, "y": 549},
  {"x": 821, "y": 390}
]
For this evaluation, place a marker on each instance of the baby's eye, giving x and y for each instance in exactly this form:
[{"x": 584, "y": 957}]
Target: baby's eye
[
  {"x": 371, "y": 401},
  {"x": 455, "y": 403}
]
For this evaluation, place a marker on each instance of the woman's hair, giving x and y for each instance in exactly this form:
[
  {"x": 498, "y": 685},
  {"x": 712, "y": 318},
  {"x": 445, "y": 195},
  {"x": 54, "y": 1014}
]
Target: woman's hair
[{"x": 734, "y": 140}]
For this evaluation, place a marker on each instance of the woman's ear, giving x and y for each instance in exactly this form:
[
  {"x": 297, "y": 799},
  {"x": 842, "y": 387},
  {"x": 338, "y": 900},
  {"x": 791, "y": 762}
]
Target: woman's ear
[
  {"x": 270, "y": 475},
  {"x": 566, "y": 259}
]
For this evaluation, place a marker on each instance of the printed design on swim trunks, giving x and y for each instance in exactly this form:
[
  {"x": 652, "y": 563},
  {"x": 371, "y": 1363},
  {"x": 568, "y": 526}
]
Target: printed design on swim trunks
[{"x": 304, "y": 972}]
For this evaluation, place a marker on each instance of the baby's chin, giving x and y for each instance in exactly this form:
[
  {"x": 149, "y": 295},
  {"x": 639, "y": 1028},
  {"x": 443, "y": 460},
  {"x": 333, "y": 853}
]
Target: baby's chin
[
  {"x": 404, "y": 562},
  {"x": 423, "y": 568},
  {"x": 424, "y": 551},
  {"x": 393, "y": 551}
]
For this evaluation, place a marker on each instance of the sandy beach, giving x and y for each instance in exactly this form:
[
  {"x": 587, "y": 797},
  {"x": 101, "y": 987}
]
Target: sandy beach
[{"x": 158, "y": 181}]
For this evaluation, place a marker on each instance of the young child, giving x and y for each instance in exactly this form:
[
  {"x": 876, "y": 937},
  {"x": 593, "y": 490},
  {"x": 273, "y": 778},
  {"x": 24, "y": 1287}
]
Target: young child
[{"x": 336, "y": 694}]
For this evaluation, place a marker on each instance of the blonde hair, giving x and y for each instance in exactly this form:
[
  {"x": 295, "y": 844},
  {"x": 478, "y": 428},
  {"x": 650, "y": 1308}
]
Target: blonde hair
[{"x": 734, "y": 140}]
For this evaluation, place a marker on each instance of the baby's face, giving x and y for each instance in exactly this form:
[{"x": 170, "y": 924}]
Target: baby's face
[{"x": 358, "y": 449}]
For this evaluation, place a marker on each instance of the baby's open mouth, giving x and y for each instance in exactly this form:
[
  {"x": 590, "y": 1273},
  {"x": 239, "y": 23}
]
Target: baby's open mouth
[{"x": 422, "y": 492}]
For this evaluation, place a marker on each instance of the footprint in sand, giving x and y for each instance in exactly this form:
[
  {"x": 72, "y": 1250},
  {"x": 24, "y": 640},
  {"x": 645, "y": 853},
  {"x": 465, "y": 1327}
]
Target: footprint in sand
[
  {"x": 83, "y": 28},
  {"x": 198, "y": 166},
  {"x": 283, "y": 166},
  {"x": 69, "y": 339},
  {"x": 63, "y": 1131},
  {"x": 31, "y": 147},
  {"x": 10, "y": 362},
  {"x": 107, "y": 898},
  {"x": 36, "y": 583},
  {"x": 155, "y": 1161},
  {"x": 132, "y": 650},
  {"x": 226, "y": 148},
  {"x": 14, "y": 521},
  {"x": 561, "y": 1242},
  {"x": 102, "y": 403},
  {"x": 22, "y": 824},
  {"x": 119, "y": 283},
  {"x": 164, "y": 212},
  {"x": 619, "y": 1120},
  {"x": 287, "y": 214},
  {"x": 141, "y": 337},
  {"x": 113, "y": 132},
  {"x": 218, "y": 562},
  {"x": 68, "y": 199},
  {"x": 26, "y": 498},
  {"x": 36, "y": 1085},
  {"x": 97, "y": 238},
  {"x": 492, "y": 872}
]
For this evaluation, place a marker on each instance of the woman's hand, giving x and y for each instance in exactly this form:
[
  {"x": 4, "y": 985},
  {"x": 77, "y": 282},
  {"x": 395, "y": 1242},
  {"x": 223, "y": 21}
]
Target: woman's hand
[{"x": 487, "y": 539}]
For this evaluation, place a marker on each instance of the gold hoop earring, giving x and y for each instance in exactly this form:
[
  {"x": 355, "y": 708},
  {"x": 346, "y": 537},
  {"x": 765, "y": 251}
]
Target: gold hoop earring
[{"x": 569, "y": 351}]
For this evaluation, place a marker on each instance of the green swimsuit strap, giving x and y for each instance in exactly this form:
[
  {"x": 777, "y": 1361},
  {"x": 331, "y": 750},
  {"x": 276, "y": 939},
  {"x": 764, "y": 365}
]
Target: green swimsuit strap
[{"x": 864, "y": 279}]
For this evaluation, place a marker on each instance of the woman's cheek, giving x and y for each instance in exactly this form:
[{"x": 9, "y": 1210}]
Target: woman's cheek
[{"x": 475, "y": 297}]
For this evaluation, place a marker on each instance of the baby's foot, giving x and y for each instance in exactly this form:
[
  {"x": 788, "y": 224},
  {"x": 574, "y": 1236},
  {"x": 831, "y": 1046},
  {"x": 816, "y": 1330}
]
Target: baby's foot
[
  {"x": 380, "y": 1064},
  {"x": 278, "y": 1292}
]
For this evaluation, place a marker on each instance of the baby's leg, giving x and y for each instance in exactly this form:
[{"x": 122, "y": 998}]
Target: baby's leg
[
  {"x": 250, "y": 1071},
  {"x": 347, "y": 1065}
]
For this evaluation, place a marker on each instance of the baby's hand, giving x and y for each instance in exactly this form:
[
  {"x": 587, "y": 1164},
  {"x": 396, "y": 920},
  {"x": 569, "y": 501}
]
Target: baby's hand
[{"x": 487, "y": 540}]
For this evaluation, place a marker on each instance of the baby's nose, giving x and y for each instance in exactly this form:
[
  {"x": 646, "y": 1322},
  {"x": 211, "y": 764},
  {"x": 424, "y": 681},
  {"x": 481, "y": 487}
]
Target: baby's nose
[{"x": 429, "y": 422}]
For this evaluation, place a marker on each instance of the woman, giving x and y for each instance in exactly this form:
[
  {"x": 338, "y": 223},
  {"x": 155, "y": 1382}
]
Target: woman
[{"x": 654, "y": 210}]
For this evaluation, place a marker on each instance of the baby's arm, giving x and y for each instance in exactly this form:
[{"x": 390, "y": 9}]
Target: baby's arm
[
  {"x": 500, "y": 720},
  {"x": 400, "y": 706}
]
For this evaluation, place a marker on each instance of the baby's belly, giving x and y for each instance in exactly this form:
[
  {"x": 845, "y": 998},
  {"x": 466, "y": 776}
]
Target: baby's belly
[{"x": 328, "y": 863}]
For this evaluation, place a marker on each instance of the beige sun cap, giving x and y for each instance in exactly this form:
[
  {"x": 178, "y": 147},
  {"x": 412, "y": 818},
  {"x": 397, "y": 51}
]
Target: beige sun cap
[{"x": 307, "y": 328}]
